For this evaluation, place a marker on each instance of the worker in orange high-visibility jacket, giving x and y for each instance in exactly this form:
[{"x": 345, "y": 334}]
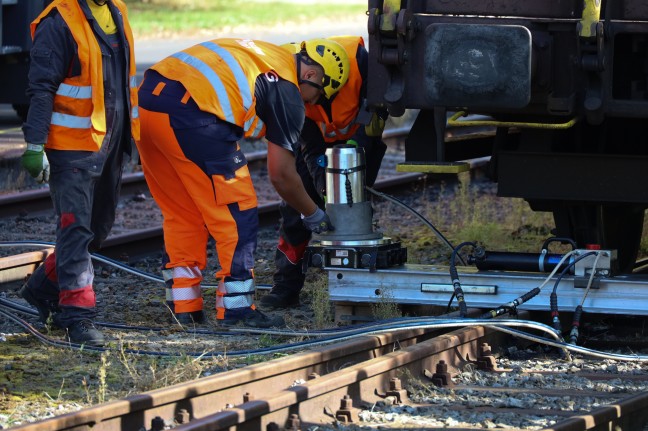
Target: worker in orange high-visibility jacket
[
  {"x": 82, "y": 118},
  {"x": 342, "y": 120},
  {"x": 195, "y": 107}
]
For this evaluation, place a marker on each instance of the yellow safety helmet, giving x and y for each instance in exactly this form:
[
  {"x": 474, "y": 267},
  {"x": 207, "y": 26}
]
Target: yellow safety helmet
[
  {"x": 292, "y": 47},
  {"x": 333, "y": 59}
]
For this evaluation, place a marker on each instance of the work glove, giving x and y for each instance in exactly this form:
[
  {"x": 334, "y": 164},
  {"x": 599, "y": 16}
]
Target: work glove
[
  {"x": 35, "y": 162},
  {"x": 352, "y": 142},
  {"x": 318, "y": 222},
  {"x": 376, "y": 126}
]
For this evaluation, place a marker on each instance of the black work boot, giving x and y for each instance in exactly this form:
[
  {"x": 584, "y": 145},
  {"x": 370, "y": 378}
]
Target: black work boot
[
  {"x": 254, "y": 319},
  {"x": 46, "y": 307},
  {"x": 85, "y": 332},
  {"x": 190, "y": 318},
  {"x": 287, "y": 282},
  {"x": 280, "y": 298}
]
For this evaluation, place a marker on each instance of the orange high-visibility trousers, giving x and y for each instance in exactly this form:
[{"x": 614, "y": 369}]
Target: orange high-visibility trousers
[{"x": 203, "y": 187}]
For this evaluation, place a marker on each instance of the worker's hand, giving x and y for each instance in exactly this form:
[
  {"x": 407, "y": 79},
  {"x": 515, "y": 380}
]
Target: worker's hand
[
  {"x": 318, "y": 222},
  {"x": 35, "y": 162},
  {"x": 352, "y": 142}
]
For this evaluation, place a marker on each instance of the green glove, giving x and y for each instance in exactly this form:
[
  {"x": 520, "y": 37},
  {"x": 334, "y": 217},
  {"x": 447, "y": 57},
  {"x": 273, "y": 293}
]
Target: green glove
[
  {"x": 35, "y": 162},
  {"x": 352, "y": 142}
]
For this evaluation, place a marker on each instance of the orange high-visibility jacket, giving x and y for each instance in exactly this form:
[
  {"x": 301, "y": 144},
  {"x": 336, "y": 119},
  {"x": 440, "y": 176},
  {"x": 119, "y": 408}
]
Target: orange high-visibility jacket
[
  {"x": 79, "y": 115},
  {"x": 346, "y": 105},
  {"x": 220, "y": 76}
]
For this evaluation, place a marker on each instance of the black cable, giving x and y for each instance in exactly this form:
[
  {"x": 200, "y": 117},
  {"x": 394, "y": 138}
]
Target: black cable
[
  {"x": 454, "y": 276},
  {"x": 449, "y": 306},
  {"x": 439, "y": 235},
  {"x": 512, "y": 306},
  {"x": 267, "y": 350},
  {"x": 349, "y": 190},
  {"x": 337, "y": 331},
  {"x": 573, "y": 335}
]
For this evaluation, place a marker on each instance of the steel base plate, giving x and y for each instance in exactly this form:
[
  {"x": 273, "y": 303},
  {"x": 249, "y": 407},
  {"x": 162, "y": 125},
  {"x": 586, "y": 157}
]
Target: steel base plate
[
  {"x": 431, "y": 285},
  {"x": 353, "y": 242}
]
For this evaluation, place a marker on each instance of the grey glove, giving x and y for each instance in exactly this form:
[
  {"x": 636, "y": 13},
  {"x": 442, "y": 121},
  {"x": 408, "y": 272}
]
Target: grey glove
[{"x": 318, "y": 222}]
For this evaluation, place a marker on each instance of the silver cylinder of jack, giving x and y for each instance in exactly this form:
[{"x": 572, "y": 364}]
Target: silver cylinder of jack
[
  {"x": 345, "y": 175},
  {"x": 346, "y": 202}
]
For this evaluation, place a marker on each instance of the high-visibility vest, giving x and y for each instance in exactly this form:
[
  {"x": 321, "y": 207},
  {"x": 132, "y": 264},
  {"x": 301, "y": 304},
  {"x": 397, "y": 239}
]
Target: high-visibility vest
[
  {"x": 346, "y": 105},
  {"x": 79, "y": 115},
  {"x": 220, "y": 76}
]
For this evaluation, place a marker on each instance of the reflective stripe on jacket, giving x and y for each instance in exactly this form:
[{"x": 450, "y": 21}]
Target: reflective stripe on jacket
[
  {"x": 79, "y": 114},
  {"x": 220, "y": 75},
  {"x": 346, "y": 105}
]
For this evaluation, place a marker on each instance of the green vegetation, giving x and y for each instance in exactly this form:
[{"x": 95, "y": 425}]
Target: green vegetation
[
  {"x": 320, "y": 303},
  {"x": 42, "y": 377},
  {"x": 462, "y": 211},
  {"x": 386, "y": 307},
  {"x": 164, "y": 17}
]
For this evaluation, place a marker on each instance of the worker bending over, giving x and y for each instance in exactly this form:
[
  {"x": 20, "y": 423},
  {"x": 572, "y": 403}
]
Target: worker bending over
[
  {"x": 339, "y": 120},
  {"x": 195, "y": 107}
]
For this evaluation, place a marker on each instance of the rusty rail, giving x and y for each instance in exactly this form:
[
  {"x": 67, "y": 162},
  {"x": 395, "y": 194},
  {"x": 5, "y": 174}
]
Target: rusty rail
[
  {"x": 628, "y": 414},
  {"x": 306, "y": 384}
]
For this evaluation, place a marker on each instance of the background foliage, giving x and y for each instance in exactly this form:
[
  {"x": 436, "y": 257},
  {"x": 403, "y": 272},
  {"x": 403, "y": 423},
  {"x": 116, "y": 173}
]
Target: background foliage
[{"x": 167, "y": 17}]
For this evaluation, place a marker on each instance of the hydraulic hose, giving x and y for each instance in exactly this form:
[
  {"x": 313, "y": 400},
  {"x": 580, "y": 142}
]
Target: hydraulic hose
[
  {"x": 503, "y": 325},
  {"x": 454, "y": 276},
  {"x": 438, "y": 234},
  {"x": 573, "y": 335},
  {"x": 553, "y": 298}
]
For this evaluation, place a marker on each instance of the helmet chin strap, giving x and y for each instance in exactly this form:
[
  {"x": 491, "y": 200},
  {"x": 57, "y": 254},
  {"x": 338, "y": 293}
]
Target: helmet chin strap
[{"x": 299, "y": 62}]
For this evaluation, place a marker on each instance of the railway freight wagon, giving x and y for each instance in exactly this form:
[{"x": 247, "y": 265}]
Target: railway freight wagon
[
  {"x": 564, "y": 82},
  {"x": 15, "y": 43}
]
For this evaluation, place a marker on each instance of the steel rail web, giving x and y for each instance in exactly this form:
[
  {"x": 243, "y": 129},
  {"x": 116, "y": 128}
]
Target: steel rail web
[{"x": 305, "y": 383}]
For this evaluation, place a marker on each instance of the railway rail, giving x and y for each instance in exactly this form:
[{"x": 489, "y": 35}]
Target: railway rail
[
  {"x": 419, "y": 376},
  {"x": 254, "y": 397}
]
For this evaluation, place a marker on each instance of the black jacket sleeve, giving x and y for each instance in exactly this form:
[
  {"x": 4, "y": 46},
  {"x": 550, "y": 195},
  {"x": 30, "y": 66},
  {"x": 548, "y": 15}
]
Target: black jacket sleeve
[
  {"x": 279, "y": 105},
  {"x": 53, "y": 57}
]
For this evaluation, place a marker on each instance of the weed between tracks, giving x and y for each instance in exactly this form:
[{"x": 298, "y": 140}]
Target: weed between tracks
[
  {"x": 463, "y": 209},
  {"x": 45, "y": 381}
]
